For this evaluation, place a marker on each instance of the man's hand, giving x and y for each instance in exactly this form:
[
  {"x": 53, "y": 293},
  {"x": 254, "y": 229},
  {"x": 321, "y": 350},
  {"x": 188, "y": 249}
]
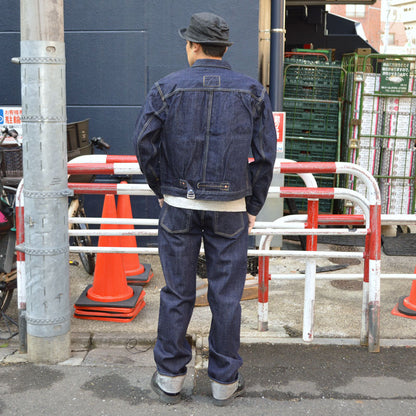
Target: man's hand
[
  {"x": 161, "y": 201},
  {"x": 251, "y": 221}
]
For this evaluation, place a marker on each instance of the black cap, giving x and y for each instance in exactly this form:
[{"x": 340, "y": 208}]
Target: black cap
[{"x": 207, "y": 28}]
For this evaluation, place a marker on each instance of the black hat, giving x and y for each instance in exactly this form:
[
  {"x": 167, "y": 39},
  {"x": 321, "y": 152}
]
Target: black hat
[{"x": 207, "y": 28}]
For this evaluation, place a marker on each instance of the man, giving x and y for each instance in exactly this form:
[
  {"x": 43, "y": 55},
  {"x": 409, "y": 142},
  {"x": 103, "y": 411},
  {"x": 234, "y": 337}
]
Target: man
[{"x": 193, "y": 140}]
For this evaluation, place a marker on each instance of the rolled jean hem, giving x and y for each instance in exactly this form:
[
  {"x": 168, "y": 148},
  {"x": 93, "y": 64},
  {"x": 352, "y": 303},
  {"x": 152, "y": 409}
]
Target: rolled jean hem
[
  {"x": 164, "y": 373},
  {"x": 223, "y": 382}
]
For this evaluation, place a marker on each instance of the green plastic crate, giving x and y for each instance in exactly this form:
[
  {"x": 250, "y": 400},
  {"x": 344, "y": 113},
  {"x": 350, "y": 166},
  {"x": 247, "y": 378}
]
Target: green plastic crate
[
  {"x": 311, "y": 92},
  {"x": 306, "y": 129},
  {"x": 311, "y": 150},
  {"x": 313, "y": 117},
  {"x": 293, "y": 105}
]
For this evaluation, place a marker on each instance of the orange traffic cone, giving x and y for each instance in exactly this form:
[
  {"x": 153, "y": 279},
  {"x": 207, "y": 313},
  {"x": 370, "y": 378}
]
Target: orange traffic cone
[
  {"x": 136, "y": 273},
  {"x": 406, "y": 307},
  {"x": 109, "y": 292}
]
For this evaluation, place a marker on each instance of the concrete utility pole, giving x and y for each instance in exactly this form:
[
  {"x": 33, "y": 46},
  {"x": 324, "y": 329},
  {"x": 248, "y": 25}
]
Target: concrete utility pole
[
  {"x": 277, "y": 50},
  {"x": 45, "y": 180}
]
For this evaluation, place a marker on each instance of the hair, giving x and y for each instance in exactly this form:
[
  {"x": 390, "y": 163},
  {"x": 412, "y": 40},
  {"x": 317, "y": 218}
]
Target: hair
[{"x": 216, "y": 51}]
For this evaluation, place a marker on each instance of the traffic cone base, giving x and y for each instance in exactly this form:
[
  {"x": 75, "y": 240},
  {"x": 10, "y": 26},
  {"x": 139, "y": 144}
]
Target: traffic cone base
[
  {"x": 142, "y": 278},
  {"x": 401, "y": 310},
  {"x": 110, "y": 309},
  {"x": 85, "y": 301},
  {"x": 101, "y": 316},
  {"x": 406, "y": 307},
  {"x": 395, "y": 311},
  {"x": 131, "y": 269},
  {"x": 108, "y": 314},
  {"x": 112, "y": 314}
]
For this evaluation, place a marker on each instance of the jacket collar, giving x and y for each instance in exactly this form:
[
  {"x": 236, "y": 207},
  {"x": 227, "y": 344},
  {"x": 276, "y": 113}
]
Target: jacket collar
[{"x": 212, "y": 63}]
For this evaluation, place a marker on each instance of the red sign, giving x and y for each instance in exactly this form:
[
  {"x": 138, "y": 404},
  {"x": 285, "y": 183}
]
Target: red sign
[{"x": 279, "y": 118}]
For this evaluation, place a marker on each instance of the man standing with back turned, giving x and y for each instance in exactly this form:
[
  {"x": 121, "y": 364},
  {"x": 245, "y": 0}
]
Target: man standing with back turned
[{"x": 198, "y": 128}]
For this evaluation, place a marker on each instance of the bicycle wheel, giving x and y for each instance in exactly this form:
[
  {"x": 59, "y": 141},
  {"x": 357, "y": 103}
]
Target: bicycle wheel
[
  {"x": 7, "y": 287},
  {"x": 9, "y": 195},
  {"x": 76, "y": 209},
  {"x": 87, "y": 259}
]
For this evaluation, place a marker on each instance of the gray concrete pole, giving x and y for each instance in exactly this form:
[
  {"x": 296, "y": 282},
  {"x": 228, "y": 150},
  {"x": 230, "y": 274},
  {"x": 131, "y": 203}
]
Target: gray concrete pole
[
  {"x": 45, "y": 180},
  {"x": 274, "y": 208},
  {"x": 277, "y": 49}
]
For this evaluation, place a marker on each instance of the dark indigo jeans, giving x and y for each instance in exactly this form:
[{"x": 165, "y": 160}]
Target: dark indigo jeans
[{"x": 225, "y": 237}]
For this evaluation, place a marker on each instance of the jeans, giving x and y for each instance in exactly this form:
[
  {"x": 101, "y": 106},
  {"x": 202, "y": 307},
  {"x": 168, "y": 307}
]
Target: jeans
[{"x": 225, "y": 237}]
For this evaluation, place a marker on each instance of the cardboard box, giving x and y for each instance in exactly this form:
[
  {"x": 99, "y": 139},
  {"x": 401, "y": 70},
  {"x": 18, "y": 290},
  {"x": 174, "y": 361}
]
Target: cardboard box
[{"x": 363, "y": 51}]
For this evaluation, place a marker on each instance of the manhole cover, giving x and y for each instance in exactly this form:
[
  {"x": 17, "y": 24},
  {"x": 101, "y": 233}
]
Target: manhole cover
[{"x": 347, "y": 284}]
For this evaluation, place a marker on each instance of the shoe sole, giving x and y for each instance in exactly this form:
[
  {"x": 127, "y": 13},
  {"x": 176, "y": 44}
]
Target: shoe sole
[
  {"x": 239, "y": 392},
  {"x": 226, "y": 402},
  {"x": 163, "y": 396}
]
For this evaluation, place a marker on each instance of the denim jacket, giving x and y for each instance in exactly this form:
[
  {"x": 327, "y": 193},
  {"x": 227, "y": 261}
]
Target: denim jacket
[{"x": 197, "y": 130}]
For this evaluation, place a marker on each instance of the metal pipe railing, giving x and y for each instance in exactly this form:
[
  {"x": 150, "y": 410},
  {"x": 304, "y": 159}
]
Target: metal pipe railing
[{"x": 371, "y": 221}]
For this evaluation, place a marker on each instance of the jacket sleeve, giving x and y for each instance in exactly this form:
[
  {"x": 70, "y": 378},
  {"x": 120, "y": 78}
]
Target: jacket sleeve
[
  {"x": 263, "y": 147},
  {"x": 147, "y": 138}
]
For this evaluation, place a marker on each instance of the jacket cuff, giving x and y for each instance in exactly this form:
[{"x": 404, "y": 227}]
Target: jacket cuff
[
  {"x": 252, "y": 209},
  {"x": 156, "y": 190},
  {"x": 159, "y": 195}
]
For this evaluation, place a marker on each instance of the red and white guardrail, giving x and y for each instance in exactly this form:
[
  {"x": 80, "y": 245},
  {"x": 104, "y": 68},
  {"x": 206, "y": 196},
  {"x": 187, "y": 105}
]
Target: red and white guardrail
[{"x": 102, "y": 164}]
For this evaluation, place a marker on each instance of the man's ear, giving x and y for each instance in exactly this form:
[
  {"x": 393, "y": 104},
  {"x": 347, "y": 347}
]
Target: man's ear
[{"x": 196, "y": 47}]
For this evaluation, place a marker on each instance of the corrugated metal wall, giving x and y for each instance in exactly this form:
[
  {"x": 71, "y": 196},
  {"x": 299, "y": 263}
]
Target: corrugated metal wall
[
  {"x": 115, "y": 50},
  {"x": 9, "y": 47}
]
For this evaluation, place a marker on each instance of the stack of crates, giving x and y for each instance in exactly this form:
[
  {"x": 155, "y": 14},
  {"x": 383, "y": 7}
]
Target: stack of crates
[
  {"x": 312, "y": 102},
  {"x": 380, "y": 127}
]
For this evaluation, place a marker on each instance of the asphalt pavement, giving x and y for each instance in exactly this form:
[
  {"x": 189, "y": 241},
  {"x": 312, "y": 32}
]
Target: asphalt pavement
[{"x": 281, "y": 379}]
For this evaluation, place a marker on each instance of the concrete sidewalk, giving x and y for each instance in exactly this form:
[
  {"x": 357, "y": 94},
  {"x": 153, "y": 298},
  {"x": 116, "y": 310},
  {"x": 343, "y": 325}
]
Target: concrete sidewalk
[{"x": 337, "y": 306}]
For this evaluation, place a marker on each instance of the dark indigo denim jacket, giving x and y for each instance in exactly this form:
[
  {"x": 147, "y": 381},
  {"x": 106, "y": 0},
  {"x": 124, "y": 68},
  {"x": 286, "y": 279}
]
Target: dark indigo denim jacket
[{"x": 197, "y": 130}]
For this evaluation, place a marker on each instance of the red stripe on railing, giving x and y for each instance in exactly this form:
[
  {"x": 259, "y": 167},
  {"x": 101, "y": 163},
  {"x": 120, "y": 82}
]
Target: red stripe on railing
[
  {"x": 90, "y": 168},
  {"x": 294, "y": 192},
  {"x": 340, "y": 219},
  {"x": 375, "y": 237},
  {"x": 121, "y": 159},
  {"x": 264, "y": 276},
  {"x": 312, "y": 222},
  {"x": 93, "y": 188},
  {"x": 20, "y": 232},
  {"x": 308, "y": 167}
]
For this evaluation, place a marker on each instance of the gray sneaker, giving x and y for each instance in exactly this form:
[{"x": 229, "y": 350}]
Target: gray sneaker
[
  {"x": 164, "y": 397},
  {"x": 225, "y": 399}
]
